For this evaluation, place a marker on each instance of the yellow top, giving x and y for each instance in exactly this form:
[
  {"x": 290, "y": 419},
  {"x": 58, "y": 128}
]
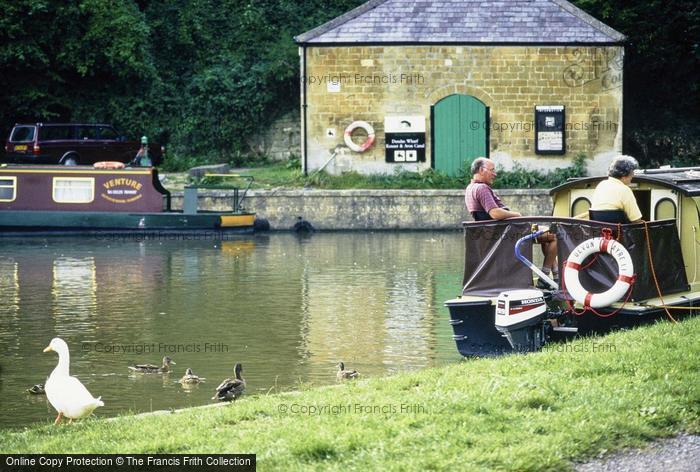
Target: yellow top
[{"x": 613, "y": 194}]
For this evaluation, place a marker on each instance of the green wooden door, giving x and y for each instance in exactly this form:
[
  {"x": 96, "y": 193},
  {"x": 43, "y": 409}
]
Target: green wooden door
[{"x": 460, "y": 132}]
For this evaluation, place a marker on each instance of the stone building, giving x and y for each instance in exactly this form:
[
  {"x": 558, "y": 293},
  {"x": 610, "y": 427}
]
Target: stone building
[{"x": 534, "y": 83}]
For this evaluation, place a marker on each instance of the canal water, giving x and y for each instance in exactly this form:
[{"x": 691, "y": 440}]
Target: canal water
[{"x": 287, "y": 308}]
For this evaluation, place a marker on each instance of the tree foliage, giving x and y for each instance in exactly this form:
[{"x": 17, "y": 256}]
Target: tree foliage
[
  {"x": 84, "y": 60},
  {"x": 202, "y": 76},
  {"x": 661, "y": 76}
]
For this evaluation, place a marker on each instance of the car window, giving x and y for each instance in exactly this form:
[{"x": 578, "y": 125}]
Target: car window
[
  {"x": 87, "y": 132},
  {"x": 22, "y": 134},
  {"x": 108, "y": 133},
  {"x": 55, "y": 133}
]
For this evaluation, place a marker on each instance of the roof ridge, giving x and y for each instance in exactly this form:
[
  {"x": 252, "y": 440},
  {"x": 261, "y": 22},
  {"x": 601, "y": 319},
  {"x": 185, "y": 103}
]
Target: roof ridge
[
  {"x": 592, "y": 21},
  {"x": 339, "y": 20}
]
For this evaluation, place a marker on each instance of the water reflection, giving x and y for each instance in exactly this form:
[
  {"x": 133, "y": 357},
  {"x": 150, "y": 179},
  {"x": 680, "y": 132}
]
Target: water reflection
[
  {"x": 287, "y": 308},
  {"x": 74, "y": 287}
]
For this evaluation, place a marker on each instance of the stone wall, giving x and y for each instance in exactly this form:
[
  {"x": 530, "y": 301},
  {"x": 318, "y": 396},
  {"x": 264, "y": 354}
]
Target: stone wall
[
  {"x": 376, "y": 81},
  {"x": 368, "y": 209},
  {"x": 281, "y": 140}
]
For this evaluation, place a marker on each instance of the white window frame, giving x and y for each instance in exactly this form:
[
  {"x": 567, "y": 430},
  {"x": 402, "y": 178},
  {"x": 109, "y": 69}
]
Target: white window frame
[
  {"x": 57, "y": 180},
  {"x": 13, "y": 187}
]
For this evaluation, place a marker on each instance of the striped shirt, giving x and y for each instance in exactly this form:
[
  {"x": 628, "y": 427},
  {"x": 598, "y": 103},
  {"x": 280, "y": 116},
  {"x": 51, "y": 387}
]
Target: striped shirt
[{"x": 480, "y": 197}]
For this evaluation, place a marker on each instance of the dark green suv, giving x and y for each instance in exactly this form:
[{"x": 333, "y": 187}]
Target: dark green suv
[{"x": 73, "y": 144}]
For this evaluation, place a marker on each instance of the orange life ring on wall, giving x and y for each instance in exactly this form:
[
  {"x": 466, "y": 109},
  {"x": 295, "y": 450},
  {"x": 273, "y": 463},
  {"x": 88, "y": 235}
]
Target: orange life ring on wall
[
  {"x": 108, "y": 165},
  {"x": 370, "y": 136}
]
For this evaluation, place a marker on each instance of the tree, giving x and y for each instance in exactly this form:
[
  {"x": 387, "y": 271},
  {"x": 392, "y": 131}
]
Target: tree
[{"x": 67, "y": 61}]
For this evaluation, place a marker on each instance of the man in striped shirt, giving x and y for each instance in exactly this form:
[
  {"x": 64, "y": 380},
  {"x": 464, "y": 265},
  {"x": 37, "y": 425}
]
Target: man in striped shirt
[{"x": 483, "y": 204}]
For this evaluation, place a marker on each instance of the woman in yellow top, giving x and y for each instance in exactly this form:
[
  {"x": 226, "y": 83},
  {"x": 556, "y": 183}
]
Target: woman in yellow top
[{"x": 614, "y": 193}]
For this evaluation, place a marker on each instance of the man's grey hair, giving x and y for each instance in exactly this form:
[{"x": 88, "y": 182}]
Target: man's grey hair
[
  {"x": 478, "y": 163},
  {"x": 622, "y": 166}
]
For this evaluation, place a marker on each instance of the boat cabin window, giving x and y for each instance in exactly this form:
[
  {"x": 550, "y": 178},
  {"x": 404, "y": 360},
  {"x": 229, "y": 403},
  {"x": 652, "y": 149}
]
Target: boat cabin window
[
  {"x": 580, "y": 206},
  {"x": 665, "y": 209},
  {"x": 8, "y": 189},
  {"x": 73, "y": 189}
]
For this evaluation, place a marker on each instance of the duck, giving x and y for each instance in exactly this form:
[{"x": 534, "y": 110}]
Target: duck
[
  {"x": 346, "y": 374},
  {"x": 37, "y": 389},
  {"x": 67, "y": 395},
  {"x": 230, "y": 389},
  {"x": 190, "y": 377},
  {"x": 154, "y": 369}
]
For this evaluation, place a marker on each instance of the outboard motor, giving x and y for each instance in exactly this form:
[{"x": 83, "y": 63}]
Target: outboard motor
[{"x": 520, "y": 316}]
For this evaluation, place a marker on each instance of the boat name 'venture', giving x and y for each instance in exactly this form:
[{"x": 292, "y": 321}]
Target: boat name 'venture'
[{"x": 135, "y": 184}]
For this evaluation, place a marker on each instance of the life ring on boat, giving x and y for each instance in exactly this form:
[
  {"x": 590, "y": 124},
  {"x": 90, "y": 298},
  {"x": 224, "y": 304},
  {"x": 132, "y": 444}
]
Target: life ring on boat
[
  {"x": 108, "y": 165},
  {"x": 624, "y": 280},
  {"x": 370, "y": 136}
]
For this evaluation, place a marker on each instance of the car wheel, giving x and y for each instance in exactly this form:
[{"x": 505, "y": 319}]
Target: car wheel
[{"x": 70, "y": 161}]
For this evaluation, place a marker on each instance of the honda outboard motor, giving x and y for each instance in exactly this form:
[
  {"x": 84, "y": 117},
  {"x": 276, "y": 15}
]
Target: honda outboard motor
[{"x": 520, "y": 318}]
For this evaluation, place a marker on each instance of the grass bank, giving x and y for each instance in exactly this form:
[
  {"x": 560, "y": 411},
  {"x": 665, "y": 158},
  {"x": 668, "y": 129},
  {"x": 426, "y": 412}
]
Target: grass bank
[
  {"x": 288, "y": 174},
  {"x": 534, "y": 412}
]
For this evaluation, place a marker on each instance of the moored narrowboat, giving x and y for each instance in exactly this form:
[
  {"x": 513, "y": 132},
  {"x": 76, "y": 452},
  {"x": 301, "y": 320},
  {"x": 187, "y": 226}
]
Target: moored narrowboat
[
  {"x": 613, "y": 274},
  {"x": 82, "y": 199}
]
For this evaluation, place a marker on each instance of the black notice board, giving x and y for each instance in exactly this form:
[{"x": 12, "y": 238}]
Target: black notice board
[
  {"x": 405, "y": 147},
  {"x": 550, "y": 136}
]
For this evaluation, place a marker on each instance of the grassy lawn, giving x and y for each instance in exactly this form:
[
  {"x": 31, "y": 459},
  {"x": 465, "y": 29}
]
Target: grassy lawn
[
  {"x": 280, "y": 175},
  {"x": 288, "y": 175},
  {"x": 534, "y": 412}
]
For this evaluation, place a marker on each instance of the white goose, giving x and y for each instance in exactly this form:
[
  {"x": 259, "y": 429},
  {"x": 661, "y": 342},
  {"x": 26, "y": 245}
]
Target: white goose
[{"x": 66, "y": 394}]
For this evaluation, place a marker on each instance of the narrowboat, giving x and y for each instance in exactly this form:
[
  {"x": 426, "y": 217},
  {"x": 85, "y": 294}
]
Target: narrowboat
[
  {"x": 613, "y": 274},
  {"x": 106, "y": 198}
]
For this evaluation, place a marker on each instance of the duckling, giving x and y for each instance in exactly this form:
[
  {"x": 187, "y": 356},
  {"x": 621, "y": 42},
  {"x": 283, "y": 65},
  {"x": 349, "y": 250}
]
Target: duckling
[
  {"x": 346, "y": 374},
  {"x": 37, "y": 389},
  {"x": 154, "y": 369},
  {"x": 230, "y": 389},
  {"x": 190, "y": 378}
]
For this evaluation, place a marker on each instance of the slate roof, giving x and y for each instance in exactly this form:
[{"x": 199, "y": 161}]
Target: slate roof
[{"x": 463, "y": 21}]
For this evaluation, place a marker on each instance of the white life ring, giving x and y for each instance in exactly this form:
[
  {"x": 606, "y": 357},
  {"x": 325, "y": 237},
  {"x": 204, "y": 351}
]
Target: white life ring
[
  {"x": 614, "y": 293},
  {"x": 370, "y": 136}
]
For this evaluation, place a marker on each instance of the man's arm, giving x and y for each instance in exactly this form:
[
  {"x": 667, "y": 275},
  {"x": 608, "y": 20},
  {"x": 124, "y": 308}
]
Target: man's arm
[
  {"x": 502, "y": 214},
  {"x": 485, "y": 197}
]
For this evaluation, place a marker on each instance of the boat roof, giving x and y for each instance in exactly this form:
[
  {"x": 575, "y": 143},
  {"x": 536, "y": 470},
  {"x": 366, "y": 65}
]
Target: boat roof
[
  {"x": 61, "y": 169},
  {"x": 685, "y": 180}
]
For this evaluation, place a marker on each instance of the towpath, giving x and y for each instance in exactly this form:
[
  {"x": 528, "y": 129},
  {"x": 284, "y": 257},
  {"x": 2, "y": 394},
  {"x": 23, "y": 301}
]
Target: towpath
[{"x": 679, "y": 454}]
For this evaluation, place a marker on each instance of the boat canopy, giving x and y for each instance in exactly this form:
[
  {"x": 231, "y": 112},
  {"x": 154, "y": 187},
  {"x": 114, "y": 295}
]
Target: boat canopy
[{"x": 491, "y": 267}]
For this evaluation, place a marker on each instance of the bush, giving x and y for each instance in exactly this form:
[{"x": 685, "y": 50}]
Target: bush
[
  {"x": 678, "y": 146},
  {"x": 520, "y": 177}
]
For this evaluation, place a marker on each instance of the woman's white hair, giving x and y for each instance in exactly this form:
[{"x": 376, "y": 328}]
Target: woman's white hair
[{"x": 622, "y": 166}]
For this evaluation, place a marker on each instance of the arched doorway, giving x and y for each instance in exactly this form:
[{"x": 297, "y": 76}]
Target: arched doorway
[{"x": 460, "y": 132}]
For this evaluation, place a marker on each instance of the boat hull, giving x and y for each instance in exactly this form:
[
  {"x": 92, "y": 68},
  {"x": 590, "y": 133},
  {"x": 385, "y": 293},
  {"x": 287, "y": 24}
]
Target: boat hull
[
  {"x": 475, "y": 333},
  {"x": 473, "y": 324},
  {"x": 13, "y": 222}
]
